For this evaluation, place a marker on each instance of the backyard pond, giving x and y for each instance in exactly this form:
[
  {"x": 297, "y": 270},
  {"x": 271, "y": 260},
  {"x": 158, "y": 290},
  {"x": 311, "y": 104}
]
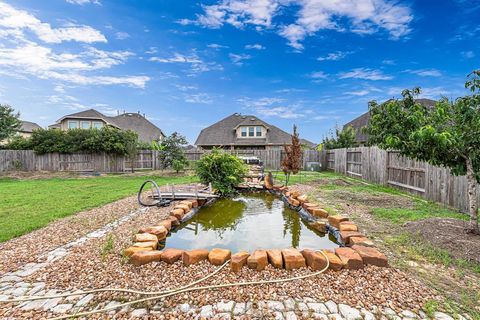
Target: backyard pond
[{"x": 248, "y": 222}]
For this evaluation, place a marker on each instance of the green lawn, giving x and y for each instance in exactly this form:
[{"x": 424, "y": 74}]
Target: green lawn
[{"x": 26, "y": 205}]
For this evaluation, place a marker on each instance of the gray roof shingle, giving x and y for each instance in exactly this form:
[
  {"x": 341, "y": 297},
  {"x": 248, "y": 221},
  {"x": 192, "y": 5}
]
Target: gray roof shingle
[{"x": 28, "y": 126}]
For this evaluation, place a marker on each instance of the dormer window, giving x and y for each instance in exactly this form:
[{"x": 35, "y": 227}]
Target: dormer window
[
  {"x": 251, "y": 131},
  {"x": 244, "y": 131},
  {"x": 259, "y": 131}
]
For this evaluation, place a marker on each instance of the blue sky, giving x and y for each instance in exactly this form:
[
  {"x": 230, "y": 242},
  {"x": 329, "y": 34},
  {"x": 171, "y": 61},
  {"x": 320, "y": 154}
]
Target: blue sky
[{"x": 187, "y": 64}]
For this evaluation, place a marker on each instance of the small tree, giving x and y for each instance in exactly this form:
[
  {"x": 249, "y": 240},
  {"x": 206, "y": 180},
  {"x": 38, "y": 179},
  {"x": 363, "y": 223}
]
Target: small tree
[
  {"x": 171, "y": 148},
  {"x": 9, "y": 122},
  {"x": 345, "y": 138},
  {"x": 131, "y": 153},
  {"x": 292, "y": 162},
  {"x": 224, "y": 171},
  {"x": 447, "y": 134}
]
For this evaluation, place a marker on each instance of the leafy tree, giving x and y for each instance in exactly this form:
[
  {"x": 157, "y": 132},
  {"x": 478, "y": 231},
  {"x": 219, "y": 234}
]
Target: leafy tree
[
  {"x": 9, "y": 122},
  {"x": 447, "y": 134},
  {"x": 171, "y": 148},
  {"x": 224, "y": 171},
  {"x": 179, "y": 165},
  {"x": 292, "y": 162},
  {"x": 345, "y": 138},
  {"x": 18, "y": 143}
]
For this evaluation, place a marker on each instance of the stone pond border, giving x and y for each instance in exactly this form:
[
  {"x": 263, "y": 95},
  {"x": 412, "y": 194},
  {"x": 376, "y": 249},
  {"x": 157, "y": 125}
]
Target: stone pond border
[{"x": 355, "y": 250}]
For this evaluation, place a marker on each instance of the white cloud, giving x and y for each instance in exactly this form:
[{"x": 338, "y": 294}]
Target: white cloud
[
  {"x": 197, "y": 65},
  {"x": 334, "y": 56},
  {"x": 82, "y": 2},
  {"x": 318, "y": 75},
  {"x": 216, "y": 46},
  {"x": 122, "y": 35},
  {"x": 199, "y": 98},
  {"x": 280, "y": 112},
  {"x": 388, "y": 62},
  {"x": 14, "y": 22},
  {"x": 365, "y": 73},
  {"x": 255, "y": 46},
  {"x": 357, "y": 16},
  {"x": 239, "y": 58},
  {"x": 468, "y": 54},
  {"x": 425, "y": 72},
  {"x": 359, "y": 93}
]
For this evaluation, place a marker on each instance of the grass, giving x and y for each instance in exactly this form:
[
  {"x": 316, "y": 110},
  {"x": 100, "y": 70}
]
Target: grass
[
  {"x": 303, "y": 176},
  {"x": 26, "y": 205}
]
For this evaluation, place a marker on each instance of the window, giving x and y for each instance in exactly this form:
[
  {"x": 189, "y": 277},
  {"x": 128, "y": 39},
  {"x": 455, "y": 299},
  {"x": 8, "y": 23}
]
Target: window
[
  {"x": 259, "y": 131},
  {"x": 251, "y": 131},
  {"x": 244, "y": 131},
  {"x": 72, "y": 124},
  {"x": 97, "y": 125},
  {"x": 85, "y": 124}
]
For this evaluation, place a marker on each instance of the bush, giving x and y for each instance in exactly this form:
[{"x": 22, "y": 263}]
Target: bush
[
  {"x": 179, "y": 165},
  {"x": 222, "y": 170},
  {"x": 18, "y": 143}
]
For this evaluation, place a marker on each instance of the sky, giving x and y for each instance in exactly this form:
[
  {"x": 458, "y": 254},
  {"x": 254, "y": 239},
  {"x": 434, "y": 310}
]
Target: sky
[{"x": 187, "y": 64}]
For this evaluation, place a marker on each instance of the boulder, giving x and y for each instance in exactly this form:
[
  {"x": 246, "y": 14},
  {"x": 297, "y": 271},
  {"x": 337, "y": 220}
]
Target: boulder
[
  {"x": 315, "y": 260},
  {"x": 319, "y": 225},
  {"x": 350, "y": 258},
  {"x": 335, "y": 220},
  {"x": 194, "y": 203},
  {"x": 194, "y": 256},
  {"x": 335, "y": 262},
  {"x": 371, "y": 256},
  {"x": 159, "y": 231},
  {"x": 293, "y": 259},
  {"x": 143, "y": 257},
  {"x": 131, "y": 250},
  {"x": 295, "y": 194},
  {"x": 258, "y": 260},
  {"x": 268, "y": 181},
  {"x": 275, "y": 258},
  {"x": 360, "y": 241},
  {"x": 218, "y": 257},
  {"x": 187, "y": 203},
  {"x": 303, "y": 198},
  {"x": 287, "y": 193},
  {"x": 307, "y": 205},
  {"x": 145, "y": 237},
  {"x": 166, "y": 223},
  {"x": 346, "y": 235},
  {"x": 277, "y": 187},
  {"x": 177, "y": 213},
  {"x": 344, "y": 226},
  {"x": 171, "y": 255},
  {"x": 174, "y": 221},
  {"x": 181, "y": 206},
  {"x": 146, "y": 244},
  {"x": 293, "y": 202},
  {"x": 318, "y": 212},
  {"x": 238, "y": 260}
]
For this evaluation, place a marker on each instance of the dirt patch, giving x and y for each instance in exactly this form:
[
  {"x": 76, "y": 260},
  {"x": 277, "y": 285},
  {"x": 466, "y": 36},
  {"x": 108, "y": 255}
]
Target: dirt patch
[{"x": 448, "y": 234}]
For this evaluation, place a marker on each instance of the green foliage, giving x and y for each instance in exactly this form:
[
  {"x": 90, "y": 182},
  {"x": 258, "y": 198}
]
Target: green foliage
[
  {"x": 9, "y": 122},
  {"x": 222, "y": 170},
  {"x": 342, "y": 139},
  {"x": 179, "y": 165},
  {"x": 18, "y": 143},
  {"x": 108, "y": 247},
  {"x": 106, "y": 139},
  {"x": 170, "y": 149}
]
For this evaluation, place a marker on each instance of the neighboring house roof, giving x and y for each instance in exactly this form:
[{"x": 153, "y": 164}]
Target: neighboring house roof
[
  {"x": 363, "y": 120},
  {"x": 28, "y": 127},
  {"x": 146, "y": 130},
  {"x": 222, "y": 133}
]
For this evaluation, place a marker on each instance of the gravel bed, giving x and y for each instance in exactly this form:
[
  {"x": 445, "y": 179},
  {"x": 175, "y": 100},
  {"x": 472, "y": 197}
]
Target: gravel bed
[{"x": 27, "y": 248}]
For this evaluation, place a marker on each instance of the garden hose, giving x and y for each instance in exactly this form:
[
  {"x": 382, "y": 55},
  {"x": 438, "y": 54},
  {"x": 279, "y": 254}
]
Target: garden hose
[{"x": 187, "y": 289}]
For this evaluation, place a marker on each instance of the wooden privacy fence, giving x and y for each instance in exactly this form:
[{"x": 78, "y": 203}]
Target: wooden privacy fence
[{"x": 389, "y": 168}]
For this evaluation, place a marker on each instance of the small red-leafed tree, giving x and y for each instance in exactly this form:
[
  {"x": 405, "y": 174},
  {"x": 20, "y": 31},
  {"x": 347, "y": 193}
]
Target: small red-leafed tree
[{"x": 292, "y": 162}]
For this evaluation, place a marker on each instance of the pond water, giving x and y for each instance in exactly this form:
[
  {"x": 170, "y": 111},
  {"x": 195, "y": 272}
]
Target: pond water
[{"x": 247, "y": 222}]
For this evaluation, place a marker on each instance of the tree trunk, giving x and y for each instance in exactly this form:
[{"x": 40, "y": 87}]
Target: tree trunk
[{"x": 472, "y": 199}]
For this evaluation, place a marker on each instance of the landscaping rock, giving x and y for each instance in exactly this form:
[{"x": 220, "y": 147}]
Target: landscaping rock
[
  {"x": 146, "y": 244},
  {"x": 303, "y": 198},
  {"x": 166, "y": 223},
  {"x": 275, "y": 258},
  {"x": 194, "y": 256},
  {"x": 143, "y": 257},
  {"x": 131, "y": 250},
  {"x": 293, "y": 202},
  {"x": 145, "y": 237},
  {"x": 346, "y": 235},
  {"x": 181, "y": 206},
  {"x": 319, "y": 225},
  {"x": 178, "y": 214},
  {"x": 371, "y": 256},
  {"x": 335, "y": 220},
  {"x": 268, "y": 181},
  {"x": 174, "y": 221},
  {"x": 171, "y": 255},
  {"x": 258, "y": 260},
  {"x": 347, "y": 226},
  {"x": 295, "y": 194},
  {"x": 187, "y": 203},
  {"x": 350, "y": 258},
  {"x": 293, "y": 259},
  {"x": 318, "y": 212},
  {"x": 159, "y": 231},
  {"x": 194, "y": 203},
  {"x": 361, "y": 241},
  {"x": 316, "y": 261},
  {"x": 238, "y": 260},
  {"x": 307, "y": 205},
  {"x": 218, "y": 257},
  {"x": 335, "y": 262}
]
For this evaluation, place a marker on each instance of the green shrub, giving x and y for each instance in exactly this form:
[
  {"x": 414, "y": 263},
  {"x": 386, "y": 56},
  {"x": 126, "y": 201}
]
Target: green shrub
[
  {"x": 18, "y": 143},
  {"x": 179, "y": 165},
  {"x": 222, "y": 170}
]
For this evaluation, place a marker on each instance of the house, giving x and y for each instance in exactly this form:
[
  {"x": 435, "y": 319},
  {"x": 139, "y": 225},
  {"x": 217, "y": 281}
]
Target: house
[
  {"x": 362, "y": 121},
  {"x": 27, "y": 128},
  {"x": 147, "y": 131},
  {"x": 239, "y": 131}
]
